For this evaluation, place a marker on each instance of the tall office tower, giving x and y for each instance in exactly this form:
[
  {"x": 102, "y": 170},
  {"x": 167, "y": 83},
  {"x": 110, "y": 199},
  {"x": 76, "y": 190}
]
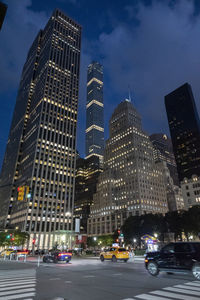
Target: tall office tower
[
  {"x": 13, "y": 154},
  {"x": 46, "y": 173},
  {"x": 3, "y": 9},
  {"x": 94, "y": 112},
  {"x": 131, "y": 182},
  {"x": 163, "y": 151},
  {"x": 87, "y": 174},
  {"x": 184, "y": 127}
]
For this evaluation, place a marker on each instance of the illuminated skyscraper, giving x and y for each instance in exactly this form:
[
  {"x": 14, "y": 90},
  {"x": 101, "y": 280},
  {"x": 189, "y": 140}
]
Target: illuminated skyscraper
[
  {"x": 94, "y": 112},
  {"x": 131, "y": 182},
  {"x": 184, "y": 125},
  {"x": 46, "y": 115}
]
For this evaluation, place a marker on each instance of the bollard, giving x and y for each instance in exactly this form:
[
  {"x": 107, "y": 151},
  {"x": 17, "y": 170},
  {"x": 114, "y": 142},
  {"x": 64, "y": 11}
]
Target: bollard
[{"x": 25, "y": 258}]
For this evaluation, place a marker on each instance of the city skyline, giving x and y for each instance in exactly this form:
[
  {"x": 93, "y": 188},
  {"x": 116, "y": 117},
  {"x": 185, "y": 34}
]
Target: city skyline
[{"x": 97, "y": 42}]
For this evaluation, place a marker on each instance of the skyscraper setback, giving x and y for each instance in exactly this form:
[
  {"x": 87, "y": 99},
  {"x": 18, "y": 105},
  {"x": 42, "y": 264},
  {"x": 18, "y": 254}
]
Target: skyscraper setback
[
  {"x": 184, "y": 127},
  {"x": 94, "y": 112},
  {"x": 43, "y": 131}
]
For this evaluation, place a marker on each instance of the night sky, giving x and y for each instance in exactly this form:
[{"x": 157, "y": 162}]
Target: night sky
[{"x": 151, "y": 46}]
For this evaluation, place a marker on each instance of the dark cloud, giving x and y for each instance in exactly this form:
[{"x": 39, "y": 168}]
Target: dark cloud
[{"x": 154, "y": 57}]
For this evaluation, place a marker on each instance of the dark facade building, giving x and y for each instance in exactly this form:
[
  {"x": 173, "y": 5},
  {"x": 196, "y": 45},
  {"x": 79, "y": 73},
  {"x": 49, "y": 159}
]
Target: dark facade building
[
  {"x": 163, "y": 151},
  {"x": 94, "y": 112},
  {"x": 3, "y": 9},
  {"x": 87, "y": 173},
  {"x": 43, "y": 132},
  {"x": 184, "y": 127}
]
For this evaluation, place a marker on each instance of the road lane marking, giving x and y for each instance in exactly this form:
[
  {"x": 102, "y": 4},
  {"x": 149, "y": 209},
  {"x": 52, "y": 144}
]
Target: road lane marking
[
  {"x": 68, "y": 281},
  {"x": 173, "y": 295},
  {"x": 173, "y": 289},
  {"x": 54, "y": 279},
  {"x": 150, "y": 297},
  {"x": 117, "y": 274},
  {"x": 88, "y": 276},
  {"x": 17, "y": 291},
  {"x": 14, "y": 297},
  {"x": 187, "y": 287}
]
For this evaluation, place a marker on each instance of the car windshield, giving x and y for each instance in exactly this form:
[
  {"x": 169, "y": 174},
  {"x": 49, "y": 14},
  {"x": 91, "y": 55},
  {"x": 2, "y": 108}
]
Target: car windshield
[{"x": 121, "y": 249}]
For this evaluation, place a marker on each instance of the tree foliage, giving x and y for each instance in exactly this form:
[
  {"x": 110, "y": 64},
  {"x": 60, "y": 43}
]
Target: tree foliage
[
  {"x": 13, "y": 238},
  {"x": 182, "y": 222}
]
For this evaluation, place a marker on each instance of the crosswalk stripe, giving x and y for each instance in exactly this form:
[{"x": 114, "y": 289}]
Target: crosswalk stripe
[
  {"x": 193, "y": 283},
  {"x": 14, "y": 278},
  {"x": 17, "y": 291},
  {"x": 17, "y": 283},
  {"x": 187, "y": 287},
  {"x": 14, "y": 297},
  {"x": 173, "y": 289},
  {"x": 16, "y": 287},
  {"x": 150, "y": 297},
  {"x": 173, "y": 295}
]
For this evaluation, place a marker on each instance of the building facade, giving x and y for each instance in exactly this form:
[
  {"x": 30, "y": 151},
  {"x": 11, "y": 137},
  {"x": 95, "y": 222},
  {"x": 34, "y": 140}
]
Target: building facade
[
  {"x": 184, "y": 127},
  {"x": 87, "y": 174},
  {"x": 191, "y": 191},
  {"x": 131, "y": 183},
  {"x": 47, "y": 152},
  {"x": 95, "y": 112},
  {"x": 3, "y": 9},
  {"x": 163, "y": 151}
]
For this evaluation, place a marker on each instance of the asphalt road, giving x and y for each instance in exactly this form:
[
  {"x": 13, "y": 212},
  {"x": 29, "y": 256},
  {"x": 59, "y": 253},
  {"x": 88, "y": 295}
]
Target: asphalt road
[{"x": 90, "y": 279}]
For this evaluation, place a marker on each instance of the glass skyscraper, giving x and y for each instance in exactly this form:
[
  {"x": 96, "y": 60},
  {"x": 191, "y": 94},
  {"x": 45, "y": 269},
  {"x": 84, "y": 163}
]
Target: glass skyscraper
[
  {"x": 41, "y": 150},
  {"x": 184, "y": 127},
  {"x": 95, "y": 111}
]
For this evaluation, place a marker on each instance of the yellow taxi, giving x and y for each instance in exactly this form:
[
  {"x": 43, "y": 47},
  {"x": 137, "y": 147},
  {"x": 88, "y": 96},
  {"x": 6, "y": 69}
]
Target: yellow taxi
[
  {"x": 7, "y": 252},
  {"x": 114, "y": 254}
]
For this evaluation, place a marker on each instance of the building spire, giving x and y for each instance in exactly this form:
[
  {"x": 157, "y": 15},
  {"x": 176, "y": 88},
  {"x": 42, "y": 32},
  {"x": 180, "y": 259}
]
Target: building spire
[{"x": 129, "y": 93}]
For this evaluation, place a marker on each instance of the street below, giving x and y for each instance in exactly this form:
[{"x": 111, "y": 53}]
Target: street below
[{"x": 88, "y": 278}]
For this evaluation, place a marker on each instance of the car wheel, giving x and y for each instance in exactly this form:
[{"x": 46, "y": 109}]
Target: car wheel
[
  {"x": 170, "y": 273},
  {"x": 44, "y": 259},
  {"x": 196, "y": 271},
  {"x": 125, "y": 260},
  {"x": 102, "y": 258},
  {"x": 152, "y": 268},
  {"x": 67, "y": 261},
  {"x": 114, "y": 259}
]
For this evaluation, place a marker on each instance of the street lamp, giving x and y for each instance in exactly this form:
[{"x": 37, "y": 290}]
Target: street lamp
[
  {"x": 134, "y": 240},
  {"x": 156, "y": 235},
  {"x": 94, "y": 238}
]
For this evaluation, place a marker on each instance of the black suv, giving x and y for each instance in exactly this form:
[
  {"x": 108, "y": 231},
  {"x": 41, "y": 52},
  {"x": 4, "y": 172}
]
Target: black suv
[{"x": 175, "y": 257}]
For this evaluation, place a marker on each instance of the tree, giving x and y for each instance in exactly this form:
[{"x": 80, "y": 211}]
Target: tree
[{"x": 13, "y": 238}]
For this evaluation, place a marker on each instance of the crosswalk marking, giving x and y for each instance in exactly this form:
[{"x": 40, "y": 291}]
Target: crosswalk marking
[
  {"x": 186, "y": 291},
  {"x": 187, "y": 287},
  {"x": 17, "y": 284},
  {"x": 173, "y": 289},
  {"x": 150, "y": 297},
  {"x": 14, "y": 297},
  {"x": 17, "y": 291},
  {"x": 14, "y": 287},
  {"x": 173, "y": 295}
]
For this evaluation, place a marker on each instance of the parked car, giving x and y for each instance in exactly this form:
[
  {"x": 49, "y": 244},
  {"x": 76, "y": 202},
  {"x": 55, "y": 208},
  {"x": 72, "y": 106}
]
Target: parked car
[
  {"x": 114, "y": 254},
  {"x": 175, "y": 257},
  {"x": 56, "y": 256}
]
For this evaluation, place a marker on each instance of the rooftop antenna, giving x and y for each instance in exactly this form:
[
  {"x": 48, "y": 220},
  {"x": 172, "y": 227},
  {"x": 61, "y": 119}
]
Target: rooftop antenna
[{"x": 129, "y": 93}]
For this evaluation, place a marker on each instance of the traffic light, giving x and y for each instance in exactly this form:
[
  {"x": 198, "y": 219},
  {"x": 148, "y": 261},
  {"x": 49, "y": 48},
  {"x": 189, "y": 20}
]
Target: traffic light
[
  {"x": 20, "y": 193},
  {"x": 117, "y": 240},
  {"x": 118, "y": 231},
  {"x": 8, "y": 236},
  {"x": 33, "y": 241}
]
